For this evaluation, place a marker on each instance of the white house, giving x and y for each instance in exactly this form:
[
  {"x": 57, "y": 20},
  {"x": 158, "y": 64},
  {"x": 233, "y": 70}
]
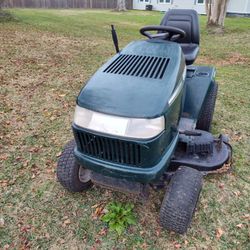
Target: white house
[{"x": 240, "y": 7}]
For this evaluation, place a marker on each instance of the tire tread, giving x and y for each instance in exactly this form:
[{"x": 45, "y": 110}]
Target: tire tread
[
  {"x": 205, "y": 120},
  {"x": 180, "y": 200},
  {"x": 68, "y": 169}
]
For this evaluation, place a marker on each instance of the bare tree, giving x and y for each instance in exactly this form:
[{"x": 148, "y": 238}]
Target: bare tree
[
  {"x": 121, "y": 5},
  {"x": 216, "y": 12}
]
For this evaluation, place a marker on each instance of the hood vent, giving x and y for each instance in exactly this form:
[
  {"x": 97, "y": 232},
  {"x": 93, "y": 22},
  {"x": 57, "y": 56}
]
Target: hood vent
[{"x": 141, "y": 66}]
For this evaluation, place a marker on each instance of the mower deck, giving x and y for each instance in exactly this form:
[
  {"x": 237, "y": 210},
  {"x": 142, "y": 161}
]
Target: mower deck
[{"x": 201, "y": 151}]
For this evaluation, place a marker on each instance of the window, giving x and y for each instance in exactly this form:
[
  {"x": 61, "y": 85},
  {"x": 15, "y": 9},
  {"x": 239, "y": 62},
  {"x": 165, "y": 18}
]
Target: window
[
  {"x": 165, "y": 1},
  {"x": 144, "y": 1},
  {"x": 200, "y": 1}
]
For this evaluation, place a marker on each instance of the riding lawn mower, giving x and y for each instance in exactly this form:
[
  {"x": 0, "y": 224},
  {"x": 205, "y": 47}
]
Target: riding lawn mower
[{"x": 145, "y": 117}]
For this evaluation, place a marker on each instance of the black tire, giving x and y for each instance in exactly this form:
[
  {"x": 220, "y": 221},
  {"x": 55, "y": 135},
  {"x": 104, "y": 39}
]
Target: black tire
[
  {"x": 206, "y": 116},
  {"x": 68, "y": 170},
  {"x": 180, "y": 200}
]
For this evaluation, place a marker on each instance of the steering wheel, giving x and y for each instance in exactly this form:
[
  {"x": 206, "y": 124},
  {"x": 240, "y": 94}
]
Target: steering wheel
[{"x": 164, "y": 32}]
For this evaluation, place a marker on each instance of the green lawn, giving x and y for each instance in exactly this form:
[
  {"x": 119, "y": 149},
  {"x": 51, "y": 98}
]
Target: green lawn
[{"x": 44, "y": 59}]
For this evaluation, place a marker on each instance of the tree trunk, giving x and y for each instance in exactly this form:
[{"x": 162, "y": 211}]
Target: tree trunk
[
  {"x": 216, "y": 12},
  {"x": 121, "y": 5},
  {"x": 1, "y": 3}
]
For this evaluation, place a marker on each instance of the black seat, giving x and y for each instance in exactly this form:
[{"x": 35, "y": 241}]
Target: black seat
[{"x": 188, "y": 21}]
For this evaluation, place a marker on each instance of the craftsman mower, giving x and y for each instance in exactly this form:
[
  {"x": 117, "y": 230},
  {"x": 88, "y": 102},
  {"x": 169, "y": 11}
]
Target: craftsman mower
[{"x": 144, "y": 118}]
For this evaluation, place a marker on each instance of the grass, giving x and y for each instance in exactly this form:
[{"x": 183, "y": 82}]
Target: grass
[{"x": 45, "y": 58}]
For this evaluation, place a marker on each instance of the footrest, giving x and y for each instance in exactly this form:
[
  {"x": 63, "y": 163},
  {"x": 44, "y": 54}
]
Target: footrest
[{"x": 117, "y": 184}]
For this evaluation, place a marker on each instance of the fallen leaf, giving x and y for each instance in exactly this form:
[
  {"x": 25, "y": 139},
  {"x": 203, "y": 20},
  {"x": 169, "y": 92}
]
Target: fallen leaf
[
  {"x": 177, "y": 246},
  {"x": 4, "y": 183},
  {"x": 98, "y": 212},
  {"x": 67, "y": 222},
  {"x": 5, "y": 247},
  {"x": 58, "y": 154},
  {"x": 98, "y": 241},
  {"x": 158, "y": 232},
  {"x": 96, "y": 205},
  {"x": 240, "y": 225},
  {"x": 4, "y": 157},
  {"x": 103, "y": 232},
  {"x": 144, "y": 245},
  {"x": 25, "y": 228},
  {"x": 219, "y": 233},
  {"x": 47, "y": 236},
  {"x": 246, "y": 216},
  {"x": 237, "y": 193},
  {"x": 142, "y": 232},
  {"x": 62, "y": 241}
]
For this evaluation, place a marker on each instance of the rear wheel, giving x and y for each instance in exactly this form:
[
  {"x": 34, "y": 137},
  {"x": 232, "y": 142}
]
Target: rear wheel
[
  {"x": 70, "y": 174},
  {"x": 180, "y": 200},
  {"x": 206, "y": 116}
]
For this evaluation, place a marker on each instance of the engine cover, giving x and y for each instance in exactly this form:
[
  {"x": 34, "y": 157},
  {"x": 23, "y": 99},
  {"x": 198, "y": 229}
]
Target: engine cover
[{"x": 138, "y": 82}]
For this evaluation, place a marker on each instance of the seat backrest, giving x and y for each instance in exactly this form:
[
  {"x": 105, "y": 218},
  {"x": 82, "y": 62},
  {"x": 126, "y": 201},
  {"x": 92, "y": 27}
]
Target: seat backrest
[{"x": 186, "y": 20}]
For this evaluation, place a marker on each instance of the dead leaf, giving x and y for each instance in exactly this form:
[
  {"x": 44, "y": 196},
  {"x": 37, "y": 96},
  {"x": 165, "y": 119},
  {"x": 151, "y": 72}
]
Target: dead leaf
[
  {"x": 96, "y": 205},
  {"x": 246, "y": 216},
  {"x": 144, "y": 245},
  {"x": 240, "y": 225},
  {"x": 47, "y": 236},
  {"x": 62, "y": 241},
  {"x": 25, "y": 164},
  {"x": 6, "y": 247},
  {"x": 98, "y": 241},
  {"x": 158, "y": 232},
  {"x": 4, "y": 157},
  {"x": 219, "y": 233},
  {"x": 98, "y": 212},
  {"x": 177, "y": 245},
  {"x": 67, "y": 222},
  {"x": 58, "y": 154},
  {"x": 25, "y": 228},
  {"x": 237, "y": 193},
  {"x": 103, "y": 232},
  {"x": 142, "y": 232},
  {"x": 4, "y": 183}
]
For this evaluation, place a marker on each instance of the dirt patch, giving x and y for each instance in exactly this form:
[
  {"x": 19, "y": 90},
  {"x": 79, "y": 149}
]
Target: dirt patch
[{"x": 234, "y": 58}]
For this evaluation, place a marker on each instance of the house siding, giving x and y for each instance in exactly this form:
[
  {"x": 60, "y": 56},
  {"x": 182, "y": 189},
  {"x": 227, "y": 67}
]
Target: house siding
[
  {"x": 238, "y": 6},
  {"x": 175, "y": 4},
  {"x": 234, "y": 6}
]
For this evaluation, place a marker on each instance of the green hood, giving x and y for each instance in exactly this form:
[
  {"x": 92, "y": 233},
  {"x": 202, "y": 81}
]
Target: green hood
[{"x": 137, "y": 82}]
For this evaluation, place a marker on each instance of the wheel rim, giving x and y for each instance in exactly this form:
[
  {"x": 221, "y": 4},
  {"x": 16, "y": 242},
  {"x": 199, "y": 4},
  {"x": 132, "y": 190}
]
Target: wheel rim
[{"x": 84, "y": 174}]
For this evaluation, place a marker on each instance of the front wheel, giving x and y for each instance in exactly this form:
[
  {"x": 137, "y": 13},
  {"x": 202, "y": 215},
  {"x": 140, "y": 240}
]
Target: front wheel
[
  {"x": 180, "y": 200},
  {"x": 70, "y": 174}
]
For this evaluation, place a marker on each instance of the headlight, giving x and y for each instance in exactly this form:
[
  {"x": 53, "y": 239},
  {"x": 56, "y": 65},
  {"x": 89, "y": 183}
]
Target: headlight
[{"x": 121, "y": 126}]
